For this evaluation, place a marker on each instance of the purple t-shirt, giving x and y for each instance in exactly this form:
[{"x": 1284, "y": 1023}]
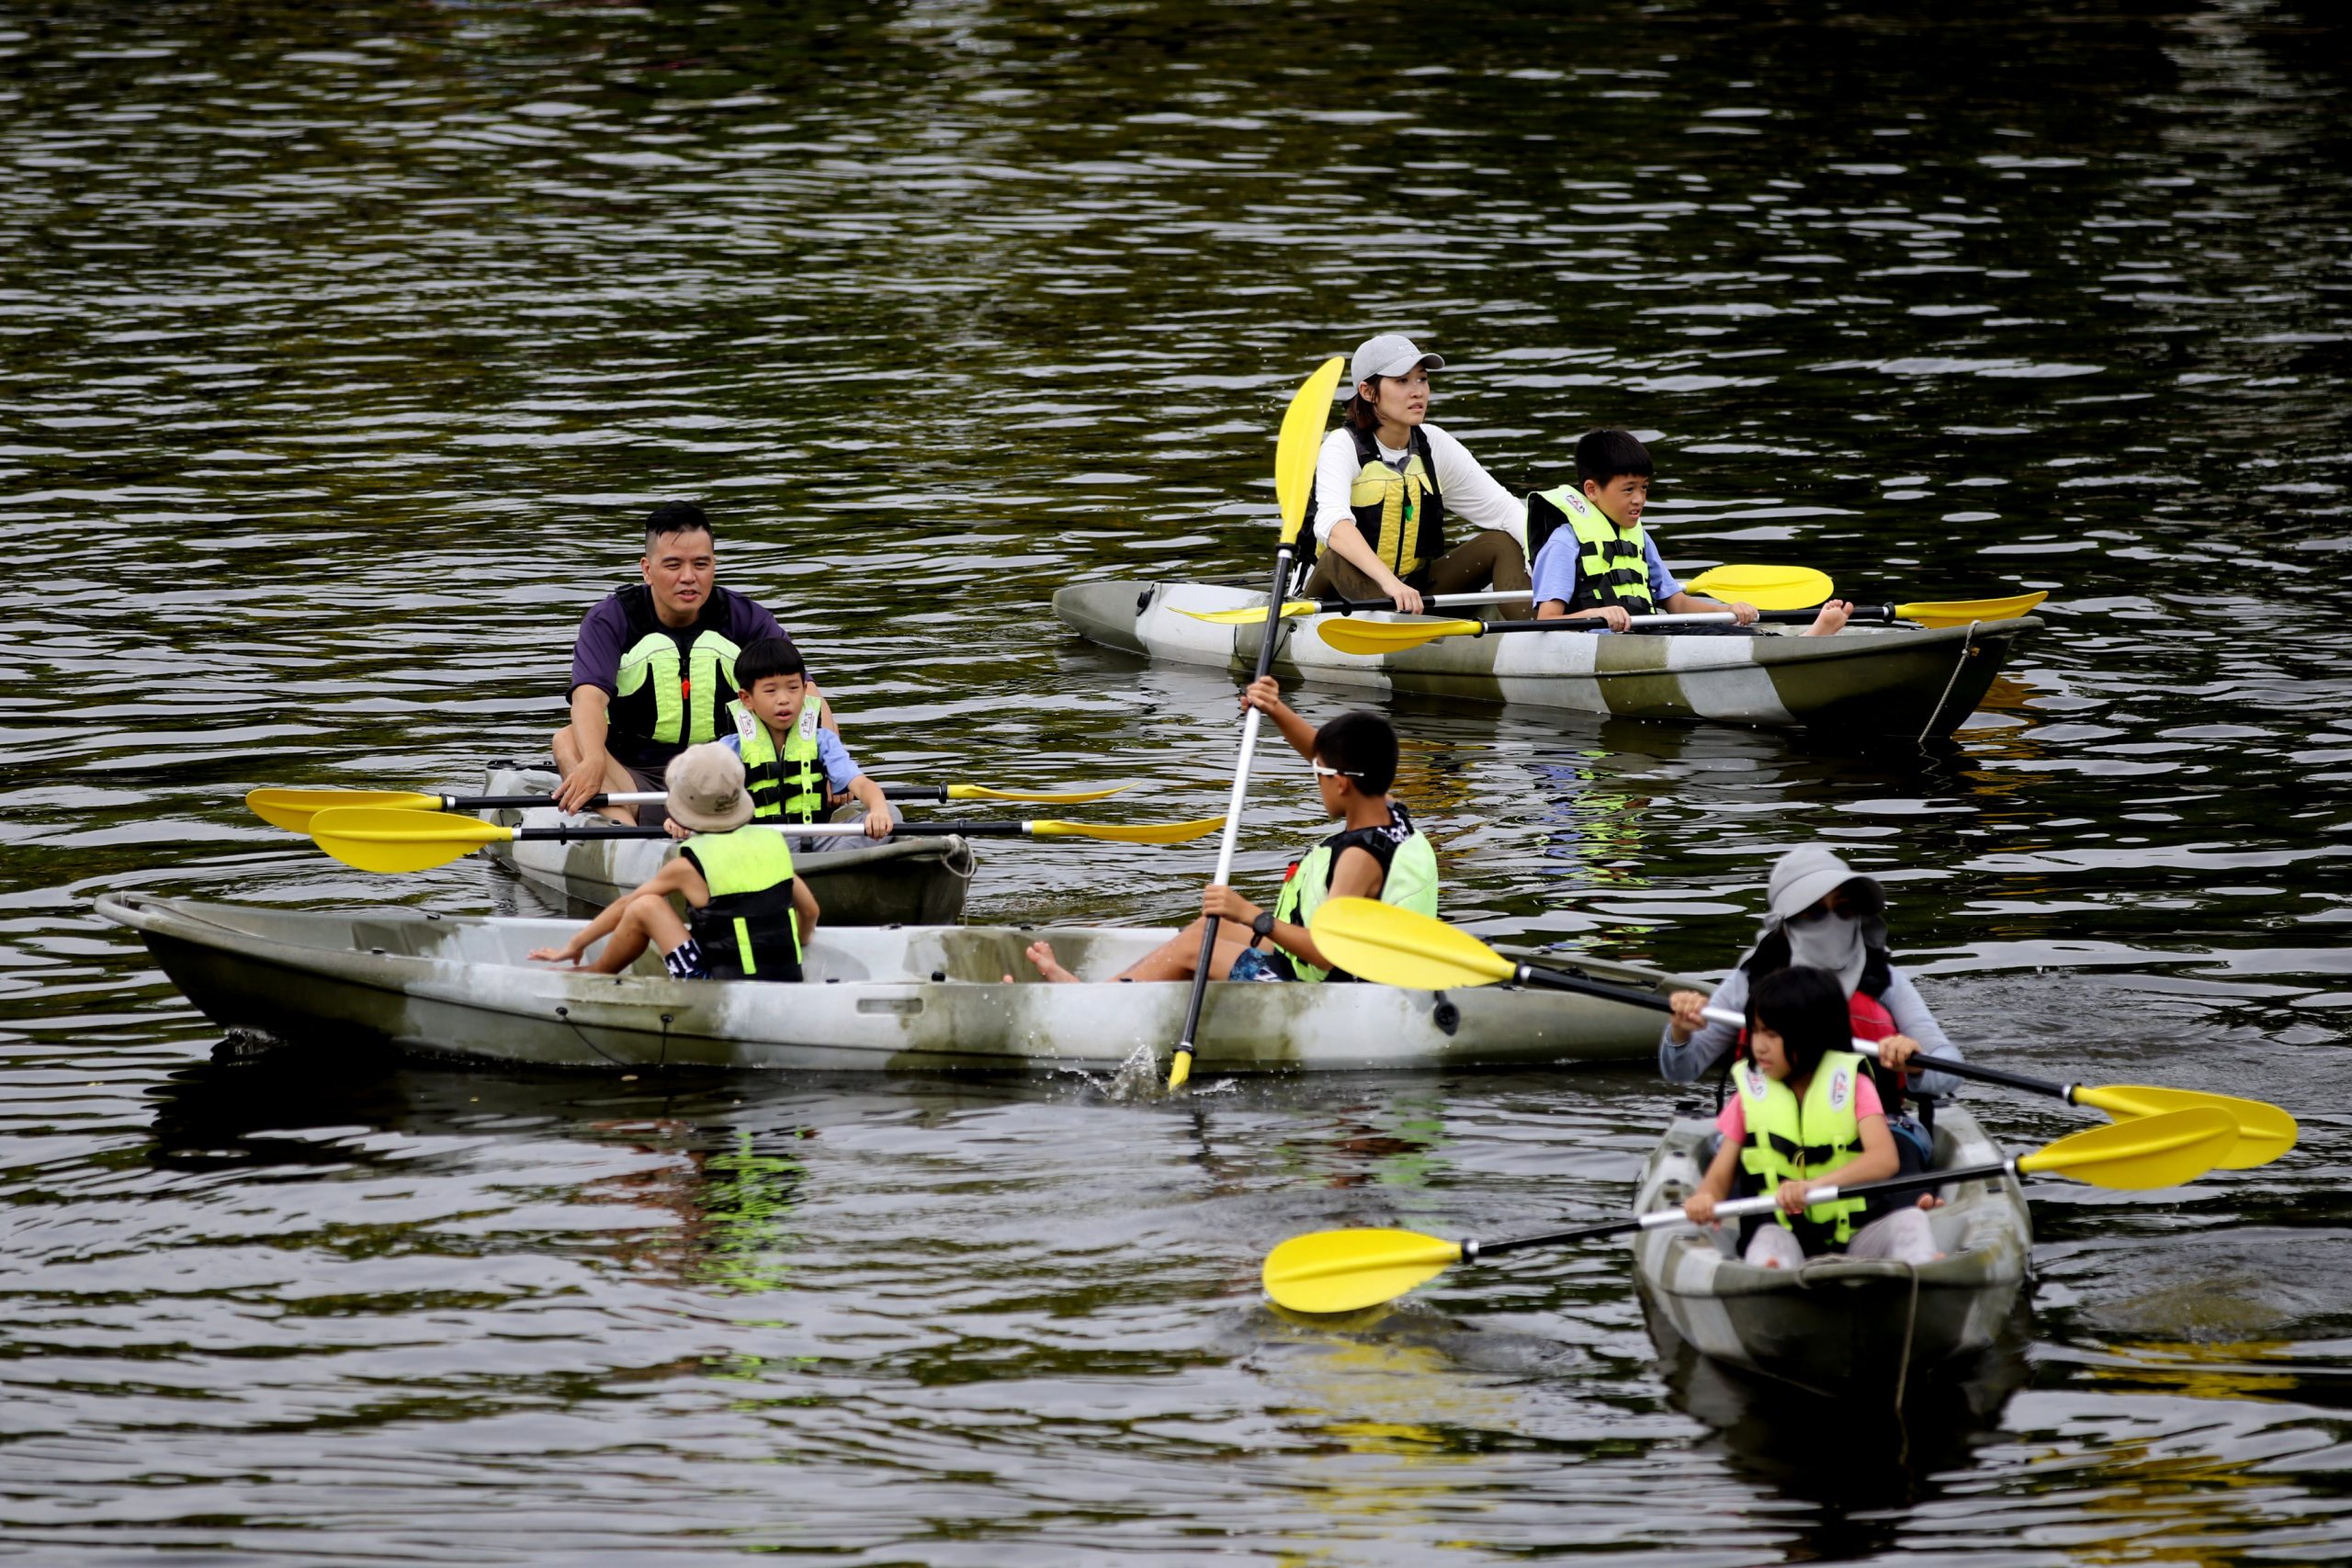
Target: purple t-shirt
[{"x": 605, "y": 637}]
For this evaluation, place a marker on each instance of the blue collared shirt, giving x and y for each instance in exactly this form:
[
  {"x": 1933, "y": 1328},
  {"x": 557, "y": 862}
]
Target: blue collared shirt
[
  {"x": 1556, "y": 569},
  {"x": 840, "y": 768}
]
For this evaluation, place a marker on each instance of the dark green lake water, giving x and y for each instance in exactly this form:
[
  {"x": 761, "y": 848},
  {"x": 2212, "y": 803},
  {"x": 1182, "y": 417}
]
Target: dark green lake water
[{"x": 341, "y": 346}]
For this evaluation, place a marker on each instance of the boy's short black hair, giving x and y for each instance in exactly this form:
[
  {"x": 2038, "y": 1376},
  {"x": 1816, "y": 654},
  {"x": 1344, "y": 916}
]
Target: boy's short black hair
[
  {"x": 1807, "y": 1008},
  {"x": 675, "y": 517},
  {"x": 1362, "y": 746},
  {"x": 1602, "y": 455},
  {"x": 769, "y": 656}
]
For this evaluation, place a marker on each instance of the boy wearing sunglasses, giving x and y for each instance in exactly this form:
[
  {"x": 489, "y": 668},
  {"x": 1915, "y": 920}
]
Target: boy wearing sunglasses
[{"x": 1377, "y": 853}]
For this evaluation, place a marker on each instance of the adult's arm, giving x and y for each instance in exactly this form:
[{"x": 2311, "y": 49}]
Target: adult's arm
[
  {"x": 595, "y": 677},
  {"x": 1911, "y": 1017},
  {"x": 1688, "y": 1061},
  {"x": 1335, "y": 476},
  {"x": 1472, "y": 493}
]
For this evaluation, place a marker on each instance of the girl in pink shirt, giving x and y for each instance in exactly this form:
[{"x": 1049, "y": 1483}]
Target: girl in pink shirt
[{"x": 1795, "y": 1018}]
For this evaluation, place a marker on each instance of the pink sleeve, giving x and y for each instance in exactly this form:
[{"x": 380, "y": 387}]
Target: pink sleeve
[
  {"x": 1866, "y": 1101},
  {"x": 1731, "y": 1121}
]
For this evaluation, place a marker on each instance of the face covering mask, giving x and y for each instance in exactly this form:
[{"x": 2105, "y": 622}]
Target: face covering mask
[{"x": 1829, "y": 942}]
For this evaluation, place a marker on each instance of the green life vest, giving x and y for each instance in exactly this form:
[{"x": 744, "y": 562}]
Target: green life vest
[
  {"x": 666, "y": 698},
  {"x": 790, "y": 787},
  {"x": 1786, "y": 1140},
  {"x": 1409, "y": 878},
  {"x": 747, "y": 931},
  {"x": 1612, "y": 565}
]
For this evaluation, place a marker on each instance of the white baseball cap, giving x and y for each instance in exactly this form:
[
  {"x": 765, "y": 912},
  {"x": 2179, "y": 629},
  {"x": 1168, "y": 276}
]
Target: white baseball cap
[{"x": 1390, "y": 353}]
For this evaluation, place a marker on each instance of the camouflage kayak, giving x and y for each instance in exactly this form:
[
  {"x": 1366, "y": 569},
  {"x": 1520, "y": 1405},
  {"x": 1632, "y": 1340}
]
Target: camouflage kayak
[
  {"x": 1836, "y": 1324},
  {"x": 1872, "y": 680},
  {"x": 876, "y": 999},
  {"x": 898, "y": 881}
]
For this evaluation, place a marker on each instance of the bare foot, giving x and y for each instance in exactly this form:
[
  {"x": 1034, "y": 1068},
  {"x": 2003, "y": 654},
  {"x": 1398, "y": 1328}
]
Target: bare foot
[
  {"x": 1041, "y": 953},
  {"x": 1832, "y": 619}
]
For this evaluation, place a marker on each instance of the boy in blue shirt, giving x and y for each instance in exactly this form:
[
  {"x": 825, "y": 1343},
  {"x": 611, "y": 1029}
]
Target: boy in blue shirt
[
  {"x": 795, "y": 767},
  {"x": 1594, "y": 562}
]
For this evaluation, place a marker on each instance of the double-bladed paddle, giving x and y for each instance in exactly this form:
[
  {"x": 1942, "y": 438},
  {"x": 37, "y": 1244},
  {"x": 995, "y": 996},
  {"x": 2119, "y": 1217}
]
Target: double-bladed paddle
[
  {"x": 1399, "y": 947},
  {"x": 293, "y": 808},
  {"x": 1346, "y": 1270},
  {"x": 1294, "y": 453},
  {"x": 1251, "y": 615},
  {"x": 1351, "y": 636},
  {"x": 376, "y": 839}
]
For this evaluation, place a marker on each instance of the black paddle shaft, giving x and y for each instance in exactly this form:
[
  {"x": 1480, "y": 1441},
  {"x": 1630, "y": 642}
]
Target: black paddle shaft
[
  {"x": 1561, "y": 980},
  {"x": 898, "y": 830},
  {"x": 935, "y": 793},
  {"x": 1892, "y": 1185}
]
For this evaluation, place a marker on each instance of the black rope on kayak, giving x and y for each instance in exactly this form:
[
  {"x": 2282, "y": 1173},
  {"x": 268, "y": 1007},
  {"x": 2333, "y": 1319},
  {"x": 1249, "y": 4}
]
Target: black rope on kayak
[
  {"x": 662, "y": 1064},
  {"x": 1903, "y": 1367},
  {"x": 565, "y": 1013},
  {"x": 1967, "y": 647}
]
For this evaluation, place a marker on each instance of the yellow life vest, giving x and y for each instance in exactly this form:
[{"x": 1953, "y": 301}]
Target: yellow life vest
[
  {"x": 1612, "y": 563},
  {"x": 787, "y": 786},
  {"x": 1408, "y": 880},
  {"x": 747, "y": 931},
  {"x": 1400, "y": 515},
  {"x": 663, "y": 696},
  {"x": 1788, "y": 1140}
]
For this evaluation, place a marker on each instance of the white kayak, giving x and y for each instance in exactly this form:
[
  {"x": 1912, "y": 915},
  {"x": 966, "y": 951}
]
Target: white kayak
[
  {"x": 1836, "y": 1324},
  {"x": 1908, "y": 681},
  {"x": 876, "y": 999}
]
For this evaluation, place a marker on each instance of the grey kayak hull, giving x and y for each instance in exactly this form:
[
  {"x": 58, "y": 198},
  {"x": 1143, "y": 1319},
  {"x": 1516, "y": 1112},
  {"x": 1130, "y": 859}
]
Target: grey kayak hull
[
  {"x": 1838, "y": 1324},
  {"x": 915, "y": 882},
  {"x": 1880, "y": 681},
  {"x": 460, "y": 985}
]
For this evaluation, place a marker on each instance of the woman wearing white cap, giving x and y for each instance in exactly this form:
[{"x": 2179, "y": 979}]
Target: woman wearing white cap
[
  {"x": 1387, "y": 481},
  {"x": 1820, "y": 914}
]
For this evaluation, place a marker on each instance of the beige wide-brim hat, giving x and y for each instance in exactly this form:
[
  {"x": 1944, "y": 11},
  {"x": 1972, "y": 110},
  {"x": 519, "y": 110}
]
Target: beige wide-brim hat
[{"x": 706, "y": 793}]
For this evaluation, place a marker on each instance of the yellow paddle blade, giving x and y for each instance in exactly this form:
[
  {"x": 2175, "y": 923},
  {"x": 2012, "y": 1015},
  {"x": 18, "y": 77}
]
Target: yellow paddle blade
[
  {"x": 1033, "y": 797},
  {"x": 2155, "y": 1151},
  {"x": 1301, "y": 439},
  {"x": 2264, "y": 1131},
  {"x": 1766, "y": 587},
  {"x": 1139, "y": 833},
  {"x": 1390, "y": 946},
  {"x": 1349, "y": 1270},
  {"x": 293, "y": 808},
  {"x": 1252, "y": 616},
  {"x": 1180, "y": 1070},
  {"x": 375, "y": 839},
  {"x": 1960, "y": 612},
  {"x": 1350, "y": 635}
]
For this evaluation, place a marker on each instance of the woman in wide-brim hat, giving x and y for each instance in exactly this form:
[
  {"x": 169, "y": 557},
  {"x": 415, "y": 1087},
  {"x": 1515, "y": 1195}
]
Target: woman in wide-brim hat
[
  {"x": 1386, "y": 482},
  {"x": 1819, "y": 913}
]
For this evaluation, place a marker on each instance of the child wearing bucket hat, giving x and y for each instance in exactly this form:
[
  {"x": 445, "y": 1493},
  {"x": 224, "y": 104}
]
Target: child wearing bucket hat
[
  {"x": 1387, "y": 481},
  {"x": 747, "y": 914}
]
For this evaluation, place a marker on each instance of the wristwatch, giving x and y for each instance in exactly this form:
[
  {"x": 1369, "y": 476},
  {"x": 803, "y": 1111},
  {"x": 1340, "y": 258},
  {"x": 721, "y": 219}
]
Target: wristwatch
[{"x": 1264, "y": 926}]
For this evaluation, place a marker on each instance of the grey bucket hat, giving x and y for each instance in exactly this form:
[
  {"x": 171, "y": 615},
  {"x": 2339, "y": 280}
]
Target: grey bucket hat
[
  {"x": 706, "y": 793},
  {"x": 1803, "y": 878}
]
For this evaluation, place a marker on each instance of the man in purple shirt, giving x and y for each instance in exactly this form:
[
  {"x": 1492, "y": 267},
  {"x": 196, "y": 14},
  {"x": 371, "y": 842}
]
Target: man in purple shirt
[{"x": 653, "y": 668}]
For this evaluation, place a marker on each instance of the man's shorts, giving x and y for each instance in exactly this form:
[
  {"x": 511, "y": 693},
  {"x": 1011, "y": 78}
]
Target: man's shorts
[{"x": 654, "y": 815}]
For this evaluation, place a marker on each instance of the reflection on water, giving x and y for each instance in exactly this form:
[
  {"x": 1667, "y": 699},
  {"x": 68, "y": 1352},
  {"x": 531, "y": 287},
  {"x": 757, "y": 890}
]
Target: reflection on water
[{"x": 344, "y": 344}]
